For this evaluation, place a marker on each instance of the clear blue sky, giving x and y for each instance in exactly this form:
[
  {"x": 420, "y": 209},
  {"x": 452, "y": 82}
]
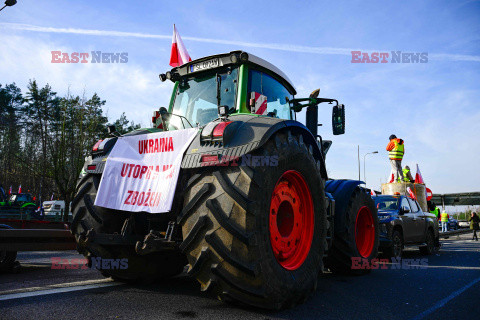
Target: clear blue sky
[{"x": 433, "y": 106}]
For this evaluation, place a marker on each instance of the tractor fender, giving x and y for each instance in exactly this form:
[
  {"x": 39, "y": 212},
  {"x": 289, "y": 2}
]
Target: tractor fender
[
  {"x": 341, "y": 190},
  {"x": 244, "y": 135}
]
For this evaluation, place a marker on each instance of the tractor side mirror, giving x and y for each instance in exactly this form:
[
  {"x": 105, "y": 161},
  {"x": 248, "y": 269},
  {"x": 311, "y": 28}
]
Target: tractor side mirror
[{"x": 338, "y": 119}]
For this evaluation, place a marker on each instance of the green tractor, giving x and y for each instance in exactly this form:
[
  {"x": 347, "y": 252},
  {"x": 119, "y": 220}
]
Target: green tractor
[
  {"x": 254, "y": 215},
  {"x": 17, "y": 202}
]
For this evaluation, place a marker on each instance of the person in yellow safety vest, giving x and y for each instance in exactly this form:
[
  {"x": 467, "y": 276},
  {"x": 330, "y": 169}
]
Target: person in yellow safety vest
[
  {"x": 396, "y": 149},
  {"x": 436, "y": 212},
  {"x": 407, "y": 176},
  {"x": 444, "y": 220},
  {"x": 433, "y": 209}
]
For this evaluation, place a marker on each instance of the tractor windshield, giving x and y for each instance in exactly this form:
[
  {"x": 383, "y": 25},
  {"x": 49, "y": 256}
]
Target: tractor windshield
[
  {"x": 20, "y": 197},
  {"x": 196, "y": 98}
]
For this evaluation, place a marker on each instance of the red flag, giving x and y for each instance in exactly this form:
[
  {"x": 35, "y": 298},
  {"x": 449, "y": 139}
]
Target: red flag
[
  {"x": 411, "y": 194},
  {"x": 372, "y": 192},
  {"x": 391, "y": 178},
  {"x": 20, "y": 189},
  {"x": 179, "y": 54},
  {"x": 418, "y": 176},
  {"x": 10, "y": 190}
]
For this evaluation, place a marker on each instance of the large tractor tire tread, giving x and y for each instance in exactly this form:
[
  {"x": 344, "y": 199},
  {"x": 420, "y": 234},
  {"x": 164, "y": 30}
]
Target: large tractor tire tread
[
  {"x": 344, "y": 246},
  {"x": 86, "y": 216},
  {"x": 225, "y": 229}
]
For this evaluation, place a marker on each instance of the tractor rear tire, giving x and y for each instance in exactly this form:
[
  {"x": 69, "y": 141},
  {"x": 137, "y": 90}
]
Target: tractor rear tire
[
  {"x": 356, "y": 236},
  {"x": 242, "y": 226},
  {"x": 87, "y": 216}
]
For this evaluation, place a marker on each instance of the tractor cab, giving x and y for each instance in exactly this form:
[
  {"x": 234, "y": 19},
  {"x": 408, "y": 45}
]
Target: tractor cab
[
  {"x": 236, "y": 83},
  {"x": 20, "y": 199}
]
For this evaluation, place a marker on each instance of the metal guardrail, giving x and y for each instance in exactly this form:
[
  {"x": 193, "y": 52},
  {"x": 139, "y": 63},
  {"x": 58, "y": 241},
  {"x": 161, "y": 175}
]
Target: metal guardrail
[
  {"x": 454, "y": 232},
  {"x": 36, "y": 240}
]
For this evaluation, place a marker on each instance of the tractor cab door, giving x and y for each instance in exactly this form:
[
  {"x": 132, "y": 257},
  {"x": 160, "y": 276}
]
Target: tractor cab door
[{"x": 267, "y": 96}]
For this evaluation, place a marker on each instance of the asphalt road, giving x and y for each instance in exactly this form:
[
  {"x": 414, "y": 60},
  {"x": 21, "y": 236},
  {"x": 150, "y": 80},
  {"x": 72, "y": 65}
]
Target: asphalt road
[{"x": 448, "y": 287}]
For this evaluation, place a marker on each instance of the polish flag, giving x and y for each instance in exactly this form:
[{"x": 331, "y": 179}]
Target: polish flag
[
  {"x": 20, "y": 189},
  {"x": 411, "y": 194},
  {"x": 10, "y": 190},
  {"x": 418, "y": 176},
  {"x": 372, "y": 193},
  {"x": 179, "y": 54}
]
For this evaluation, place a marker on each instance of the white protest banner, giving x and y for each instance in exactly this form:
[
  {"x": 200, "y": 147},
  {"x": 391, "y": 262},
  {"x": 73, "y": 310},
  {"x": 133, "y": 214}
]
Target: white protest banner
[{"x": 141, "y": 172}]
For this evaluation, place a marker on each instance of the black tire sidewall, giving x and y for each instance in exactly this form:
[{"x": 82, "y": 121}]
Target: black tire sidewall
[
  {"x": 396, "y": 233},
  {"x": 292, "y": 281}
]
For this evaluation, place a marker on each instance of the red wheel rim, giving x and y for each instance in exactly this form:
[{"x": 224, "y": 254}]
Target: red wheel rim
[
  {"x": 291, "y": 220},
  {"x": 364, "y": 232}
]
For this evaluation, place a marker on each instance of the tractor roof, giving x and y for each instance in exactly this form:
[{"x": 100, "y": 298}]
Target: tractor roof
[{"x": 234, "y": 58}]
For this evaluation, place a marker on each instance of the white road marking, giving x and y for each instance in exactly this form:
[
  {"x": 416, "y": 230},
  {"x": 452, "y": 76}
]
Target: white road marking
[
  {"x": 57, "y": 288},
  {"x": 444, "y": 301}
]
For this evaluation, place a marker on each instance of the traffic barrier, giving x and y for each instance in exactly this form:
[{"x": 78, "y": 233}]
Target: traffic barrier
[{"x": 454, "y": 232}]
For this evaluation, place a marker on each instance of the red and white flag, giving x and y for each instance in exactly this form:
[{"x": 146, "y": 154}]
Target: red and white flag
[
  {"x": 372, "y": 192},
  {"x": 179, "y": 54},
  {"x": 418, "y": 176},
  {"x": 10, "y": 190},
  {"x": 20, "y": 189},
  {"x": 412, "y": 195}
]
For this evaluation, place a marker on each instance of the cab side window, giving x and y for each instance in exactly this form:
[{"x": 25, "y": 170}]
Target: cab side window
[
  {"x": 405, "y": 206},
  {"x": 275, "y": 92},
  {"x": 413, "y": 205}
]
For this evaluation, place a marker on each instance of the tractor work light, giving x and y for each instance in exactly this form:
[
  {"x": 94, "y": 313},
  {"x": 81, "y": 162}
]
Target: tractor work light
[
  {"x": 244, "y": 56},
  {"x": 222, "y": 111},
  {"x": 234, "y": 58}
]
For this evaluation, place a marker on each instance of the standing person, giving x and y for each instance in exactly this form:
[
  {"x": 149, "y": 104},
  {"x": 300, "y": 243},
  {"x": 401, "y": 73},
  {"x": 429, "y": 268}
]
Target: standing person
[
  {"x": 444, "y": 220},
  {"x": 474, "y": 225},
  {"x": 396, "y": 149},
  {"x": 433, "y": 209}
]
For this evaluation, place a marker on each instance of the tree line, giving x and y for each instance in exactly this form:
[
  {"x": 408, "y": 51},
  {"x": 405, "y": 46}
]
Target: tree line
[{"x": 44, "y": 139}]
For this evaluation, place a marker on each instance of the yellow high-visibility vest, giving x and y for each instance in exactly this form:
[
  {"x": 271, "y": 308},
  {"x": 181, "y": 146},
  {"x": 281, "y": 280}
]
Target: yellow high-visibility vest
[
  {"x": 397, "y": 151},
  {"x": 444, "y": 217}
]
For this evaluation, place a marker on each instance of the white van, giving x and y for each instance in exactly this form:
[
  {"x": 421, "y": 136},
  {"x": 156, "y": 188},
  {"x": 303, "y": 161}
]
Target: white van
[{"x": 55, "y": 207}]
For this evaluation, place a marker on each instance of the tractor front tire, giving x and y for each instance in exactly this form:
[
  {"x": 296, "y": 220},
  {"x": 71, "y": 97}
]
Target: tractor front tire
[
  {"x": 256, "y": 234},
  {"x": 88, "y": 217}
]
